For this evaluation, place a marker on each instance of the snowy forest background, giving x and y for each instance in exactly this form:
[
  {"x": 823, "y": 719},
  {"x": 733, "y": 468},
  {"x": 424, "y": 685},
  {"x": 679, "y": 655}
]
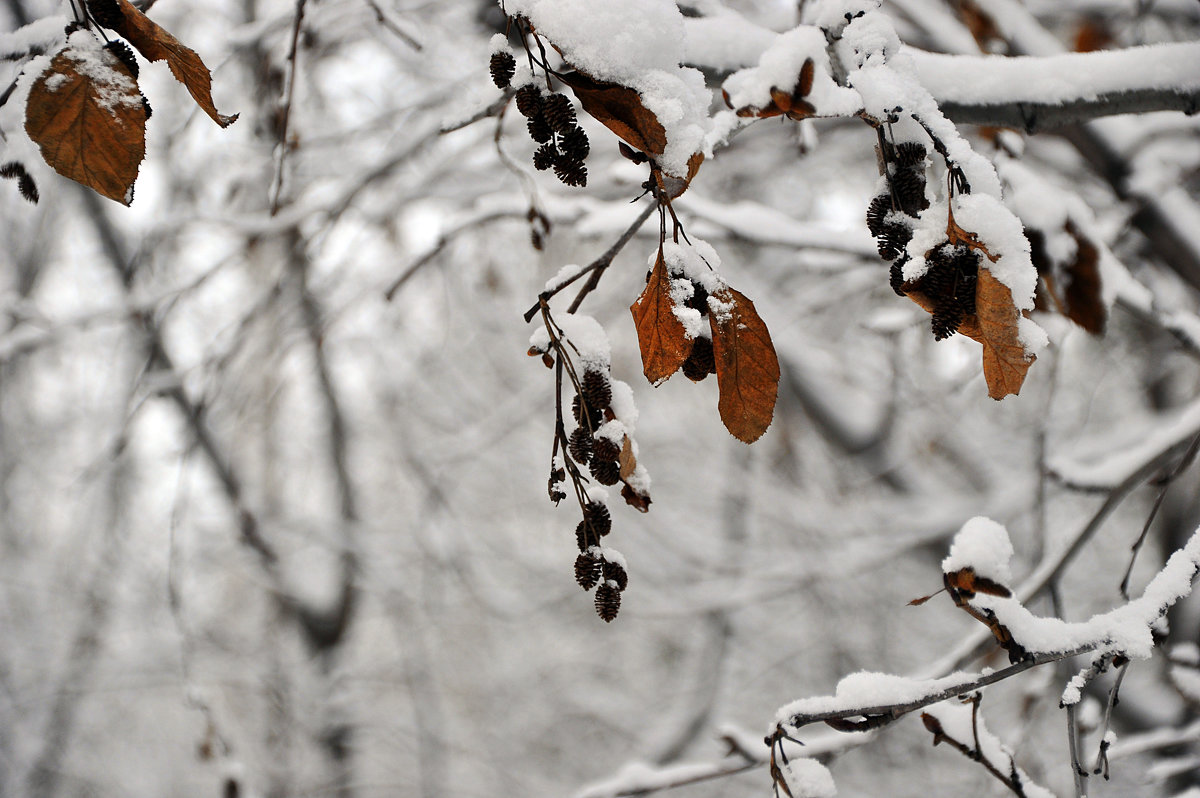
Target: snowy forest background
[{"x": 265, "y": 531}]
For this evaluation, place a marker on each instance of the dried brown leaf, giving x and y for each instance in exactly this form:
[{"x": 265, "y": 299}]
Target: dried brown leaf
[
  {"x": 1005, "y": 362},
  {"x": 626, "y": 459},
  {"x": 747, "y": 366},
  {"x": 620, "y": 109},
  {"x": 156, "y": 44},
  {"x": 661, "y": 337},
  {"x": 89, "y": 121}
]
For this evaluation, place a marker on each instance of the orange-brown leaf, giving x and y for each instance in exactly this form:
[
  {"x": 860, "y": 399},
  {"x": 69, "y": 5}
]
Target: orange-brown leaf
[
  {"x": 671, "y": 186},
  {"x": 89, "y": 121},
  {"x": 661, "y": 337},
  {"x": 620, "y": 109},
  {"x": 1005, "y": 361},
  {"x": 747, "y": 367},
  {"x": 626, "y": 459},
  {"x": 1084, "y": 297},
  {"x": 805, "y": 83},
  {"x": 156, "y": 44}
]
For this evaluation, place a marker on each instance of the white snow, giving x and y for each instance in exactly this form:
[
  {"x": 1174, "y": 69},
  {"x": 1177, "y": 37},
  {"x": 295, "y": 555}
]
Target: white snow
[
  {"x": 780, "y": 67},
  {"x": 598, "y": 40},
  {"x": 983, "y": 545},
  {"x": 808, "y": 778},
  {"x": 979, "y": 80}
]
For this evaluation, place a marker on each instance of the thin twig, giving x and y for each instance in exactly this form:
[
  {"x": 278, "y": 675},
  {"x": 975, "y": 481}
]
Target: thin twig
[
  {"x": 1101, "y": 767},
  {"x": 1166, "y": 481},
  {"x": 393, "y": 27},
  {"x": 277, "y": 187},
  {"x": 444, "y": 240},
  {"x": 595, "y": 268},
  {"x": 1073, "y": 743}
]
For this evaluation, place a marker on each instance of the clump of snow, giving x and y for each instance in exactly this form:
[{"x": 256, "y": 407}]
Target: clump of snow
[
  {"x": 587, "y": 339},
  {"x": 599, "y": 40},
  {"x": 565, "y": 275},
  {"x": 499, "y": 44},
  {"x": 808, "y": 778},
  {"x": 867, "y": 690},
  {"x": 697, "y": 262},
  {"x": 1001, "y": 232},
  {"x": 833, "y": 15},
  {"x": 89, "y": 58},
  {"x": 983, "y": 545},
  {"x": 780, "y": 67},
  {"x": 869, "y": 40}
]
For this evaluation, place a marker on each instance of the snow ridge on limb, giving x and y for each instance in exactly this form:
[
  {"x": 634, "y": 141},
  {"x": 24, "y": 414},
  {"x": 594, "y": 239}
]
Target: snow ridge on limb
[{"x": 977, "y": 561}]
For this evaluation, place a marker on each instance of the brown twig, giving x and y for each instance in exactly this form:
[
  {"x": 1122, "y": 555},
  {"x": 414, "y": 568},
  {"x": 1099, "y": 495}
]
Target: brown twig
[
  {"x": 285, "y": 121},
  {"x": 595, "y": 268}
]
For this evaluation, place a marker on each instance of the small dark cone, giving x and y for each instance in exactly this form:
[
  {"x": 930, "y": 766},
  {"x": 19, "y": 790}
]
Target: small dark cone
[
  {"x": 699, "y": 299},
  {"x": 503, "y": 66},
  {"x": 701, "y": 362},
  {"x": 587, "y": 571},
  {"x": 580, "y": 445},
  {"x": 893, "y": 239},
  {"x": 613, "y": 572},
  {"x": 539, "y": 130},
  {"x": 597, "y": 388},
  {"x": 545, "y": 156},
  {"x": 106, "y": 13},
  {"x": 598, "y": 515},
  {"x": 945, "y": 320},
  {"x": 571, "y": 172},
  {"x": 559, "y": 113},
  {"x": 574, "y": 143},
  {"x": 529, "y": 100},
  {"x": 606, "y": 472},
  {"x": 146, "y": 107},
  {"x": 593, "y": 413},
  {"x": 877, "y": 211},
  {"x": 28, "y": 188},
  {"x": 909, "y": 188},
  {"x": 910, "y": 154},
  {"x": 585, "y": 537},
  {"x": 124, "y": 55},
  {"x": 608, "y": 602},
  {"x": 605, "y": 450},
  {"x": 897, "y": 276}
]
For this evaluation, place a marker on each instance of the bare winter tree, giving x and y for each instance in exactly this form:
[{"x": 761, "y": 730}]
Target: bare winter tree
[{"x": 277, "y": 429}]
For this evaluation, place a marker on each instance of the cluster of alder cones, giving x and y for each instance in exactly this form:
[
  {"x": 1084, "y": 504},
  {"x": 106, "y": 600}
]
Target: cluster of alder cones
[
  {"x": 551, "y": 124},
  {"x": 587, "y": 445},
  {"x": 949, "y": 281}
]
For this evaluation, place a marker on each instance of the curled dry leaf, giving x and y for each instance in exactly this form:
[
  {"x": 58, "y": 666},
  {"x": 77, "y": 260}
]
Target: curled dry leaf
[
  {"x": 620, "y": 109},
  {"x": 747, "y": 366},
  {"x": 86, "y": 115},
  {"x": 156, "y": 44},
  {"x": 1082, "y": 300},
  {"x": 663, "y": 341}
]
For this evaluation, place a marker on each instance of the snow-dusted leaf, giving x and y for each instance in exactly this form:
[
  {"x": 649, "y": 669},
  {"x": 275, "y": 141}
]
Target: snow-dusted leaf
[
  {"x": 747, "y": 367},
  {"x": 156, "y": 44},
  {"x": 661, "y": 336},
  {"x": 1005, "y": 361},
  {"x": 85, "y": 113},
  {"x": 620, "y": 109}
]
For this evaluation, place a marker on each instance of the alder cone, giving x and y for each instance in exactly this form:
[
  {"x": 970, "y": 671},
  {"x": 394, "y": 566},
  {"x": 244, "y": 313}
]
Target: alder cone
[
  {"x": 608, "y": 602},
  {"x": 580, "y": 445},
  {"x": 598, "y": 515},
  {"x": 587, "y": 571},
  {"x": 613, "y": 572},
  {"x": 700, "y": 362},
  {"x": 605, "y": 449},
  {"x": 597, "y": 388},
  {"x": 606, "y": 472},
  {"x": 502, "y": 66}
]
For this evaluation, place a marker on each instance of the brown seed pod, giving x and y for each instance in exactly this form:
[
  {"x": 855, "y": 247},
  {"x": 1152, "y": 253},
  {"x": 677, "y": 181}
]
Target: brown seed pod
[
  {"x": 15, "y": 170},
  {"x": 580, "y": 445},
  {"x": 574, "y": 143},
  {"x": 909, "y": 187},
  {"x": 570, "y": 171},
  {"x": 559, "y": 112},
  {"x": 605, "y": 450},
  {"x": 598, "y": 515},
  {"x": 608, "y": 602},
  {"x": 877, "y": 211},
  {"x": 701, "y": 362},
  {"x": 893, "y": 239},
  {"x": 502, "y": 66},
  {"x": 545, "y": 156},
  {"x": 597, "y": 388},
  {"x": 125, "y": 55},
  {"x": 699, "y": 299},
  {"x": 529, "y": 100},
  {"x": 539, "y": 129},
  {"x": 588, "y": 571},
  {"x": 606, "y": 472},
  {"x": 897, "y": 276},
  {"x": 910, "y": 154},
  {"x": 613, "y": 572}
]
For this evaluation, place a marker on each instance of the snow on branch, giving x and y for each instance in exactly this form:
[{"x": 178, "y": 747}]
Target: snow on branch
[
  {"x": 1039, "y": 92},
  {"x": 974, "y": 574}
]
